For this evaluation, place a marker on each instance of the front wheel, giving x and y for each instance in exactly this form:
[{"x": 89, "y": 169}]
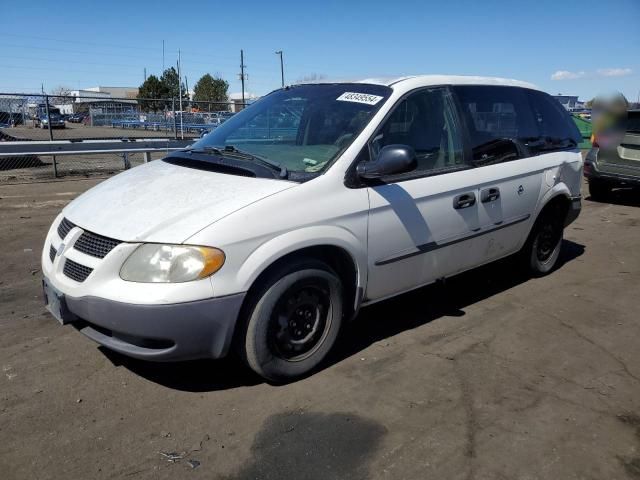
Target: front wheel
[
  {"x": 542, "y": 249},
  {"x": 293, "y": 321}
]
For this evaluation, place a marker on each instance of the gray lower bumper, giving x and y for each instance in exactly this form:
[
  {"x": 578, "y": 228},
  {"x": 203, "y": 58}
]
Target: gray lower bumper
[
  {"x": 574, "y": 209},
  {"x": 180, "y": 331},
  {"x": 624, "y": 176}
]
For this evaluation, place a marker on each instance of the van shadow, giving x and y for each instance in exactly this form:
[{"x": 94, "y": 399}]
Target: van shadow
[
  {"x": 628, "y": 197},
  {"x": 189, "y": 376},
  {"x": 419, "y": 307},
  {"x": 373, "y": 324}
]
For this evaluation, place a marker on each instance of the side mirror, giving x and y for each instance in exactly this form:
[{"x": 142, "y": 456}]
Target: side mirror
[{"x": 392, "y": 159}]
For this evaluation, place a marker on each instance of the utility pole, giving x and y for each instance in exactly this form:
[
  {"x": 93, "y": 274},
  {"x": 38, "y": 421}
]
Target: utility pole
[
  {"x": 242, "y": 75},
  {"x": 162, "y": 56},
  {"x": 279, "y": 52},
  {"x": 145, "y": 74},
  {"x": 180, "y": 98}
]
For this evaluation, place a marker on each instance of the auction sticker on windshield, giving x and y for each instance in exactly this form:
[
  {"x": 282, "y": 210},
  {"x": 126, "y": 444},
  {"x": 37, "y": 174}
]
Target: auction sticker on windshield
[{"x": 359, "y": 98}]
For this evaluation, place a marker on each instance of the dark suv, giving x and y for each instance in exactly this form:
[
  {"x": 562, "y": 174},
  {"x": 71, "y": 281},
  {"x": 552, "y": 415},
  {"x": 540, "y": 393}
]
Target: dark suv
[{"x": 615, "y": 165}]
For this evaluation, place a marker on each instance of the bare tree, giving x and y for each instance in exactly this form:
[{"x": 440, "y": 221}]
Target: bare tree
[{"x": 62, "y": 94}]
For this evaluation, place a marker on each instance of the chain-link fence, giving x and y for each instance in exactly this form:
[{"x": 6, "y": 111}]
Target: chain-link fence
[{"x": 85, "y": 116}]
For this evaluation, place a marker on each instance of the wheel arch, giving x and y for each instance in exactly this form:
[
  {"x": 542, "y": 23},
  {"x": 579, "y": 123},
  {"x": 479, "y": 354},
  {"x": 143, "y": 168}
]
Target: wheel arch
[
  {"x": 334, "y": 246},
  {"x": 559, "y": 198}
]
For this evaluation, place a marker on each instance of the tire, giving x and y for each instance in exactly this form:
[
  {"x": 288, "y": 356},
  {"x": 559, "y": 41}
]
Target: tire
[
  {"x": 542, "y": 249},
  {"x": 599, "y": 190},
  {"x": 276, "y": 345}
]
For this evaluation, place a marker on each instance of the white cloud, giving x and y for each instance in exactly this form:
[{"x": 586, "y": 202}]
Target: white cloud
[
  {"x": 614, "y": 72},
  {"x": 566, "y": 75},
  {"x": 601, "y": 72}
]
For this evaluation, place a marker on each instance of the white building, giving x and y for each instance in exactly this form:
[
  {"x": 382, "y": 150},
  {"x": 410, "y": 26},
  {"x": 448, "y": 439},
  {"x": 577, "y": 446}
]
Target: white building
[
  {"x": 236, "y": 100},
  {"x": 115, "y": 92}
]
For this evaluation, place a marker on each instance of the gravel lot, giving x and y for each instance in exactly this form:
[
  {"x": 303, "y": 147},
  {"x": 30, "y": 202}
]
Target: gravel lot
[{"x": 489, "y": 376}]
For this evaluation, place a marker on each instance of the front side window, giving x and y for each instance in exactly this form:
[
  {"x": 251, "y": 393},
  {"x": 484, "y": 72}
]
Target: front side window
[
  {"x": 304, "y": 127},
  {"x": 424, "y": 120}
]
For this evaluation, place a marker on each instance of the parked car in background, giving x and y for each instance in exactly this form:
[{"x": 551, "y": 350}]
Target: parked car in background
[
  {"x": 77, "y": 117},
  {"x": 52, "y": 119},
  {"x": 11, "y": 119},
  {"x": 607, "y": 166},
  {"x": 271, "y": 232}
]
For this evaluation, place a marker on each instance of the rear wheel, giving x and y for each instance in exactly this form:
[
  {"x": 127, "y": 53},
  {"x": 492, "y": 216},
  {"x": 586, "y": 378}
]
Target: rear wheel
[
  {"x": 542, "y": 249},
  {"x": 293, "y": 321},
  {"x": 599, "y": 190}
]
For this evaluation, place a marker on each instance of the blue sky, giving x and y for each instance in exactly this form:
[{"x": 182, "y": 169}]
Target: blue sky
[{"x": 587, "y": 46}]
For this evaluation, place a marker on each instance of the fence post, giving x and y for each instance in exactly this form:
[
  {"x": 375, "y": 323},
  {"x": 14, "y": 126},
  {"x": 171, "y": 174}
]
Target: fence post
[
  {"x": 175, "y": 125},
  {"x": 46, "y": 106}
]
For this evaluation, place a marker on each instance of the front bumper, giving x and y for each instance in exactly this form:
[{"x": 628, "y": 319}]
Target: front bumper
[{"x": 168, "y": 332}]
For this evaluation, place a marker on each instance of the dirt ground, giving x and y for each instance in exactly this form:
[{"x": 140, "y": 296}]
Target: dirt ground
[{"x": 489, "y": 376}]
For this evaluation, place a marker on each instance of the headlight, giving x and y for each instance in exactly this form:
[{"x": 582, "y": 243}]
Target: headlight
[{"x": 153, "y": 263}]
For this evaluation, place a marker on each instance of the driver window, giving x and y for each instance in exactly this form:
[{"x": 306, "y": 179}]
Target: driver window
[{"x": 425, "y": 121}]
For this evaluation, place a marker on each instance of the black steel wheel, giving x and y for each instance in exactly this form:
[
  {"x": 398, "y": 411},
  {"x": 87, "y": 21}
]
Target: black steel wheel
[
  {"x": 292, "y": 320},
  {"x": 300, "y": 319},
  {"x": 542, "y": 249}
]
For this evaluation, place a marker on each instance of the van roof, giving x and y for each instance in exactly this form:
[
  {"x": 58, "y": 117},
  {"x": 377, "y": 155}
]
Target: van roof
[{"x": 414, "y": 81}]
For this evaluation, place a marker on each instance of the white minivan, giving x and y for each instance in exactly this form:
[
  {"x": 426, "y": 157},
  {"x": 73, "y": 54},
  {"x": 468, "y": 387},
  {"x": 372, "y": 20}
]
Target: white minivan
[{"x": 270, "y": 232}]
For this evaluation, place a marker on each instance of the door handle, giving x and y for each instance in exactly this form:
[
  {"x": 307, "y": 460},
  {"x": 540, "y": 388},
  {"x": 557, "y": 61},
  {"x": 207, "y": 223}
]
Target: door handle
[
  {"x": 464, "y": 200},
  {"x": 489, "y": 194}
]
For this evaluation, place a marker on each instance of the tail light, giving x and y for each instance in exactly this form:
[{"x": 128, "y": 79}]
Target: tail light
[{"x": 594, "y": 142}]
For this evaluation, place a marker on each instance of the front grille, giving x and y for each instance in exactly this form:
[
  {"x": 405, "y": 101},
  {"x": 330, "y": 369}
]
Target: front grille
[
  {"x": 52, "y": 253},
  {"x": 64, "y": 228},
  {"x": 75, "y": 271},
  {"x": 95, "y": 245}
]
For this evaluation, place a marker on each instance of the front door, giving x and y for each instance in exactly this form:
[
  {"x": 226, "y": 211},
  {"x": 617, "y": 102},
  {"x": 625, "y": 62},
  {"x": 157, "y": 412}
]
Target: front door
[{"x": 421, "y": 224}]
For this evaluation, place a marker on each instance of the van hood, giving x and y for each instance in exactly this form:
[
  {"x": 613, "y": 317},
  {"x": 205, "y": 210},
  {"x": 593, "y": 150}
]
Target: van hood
[{"x": 161, "y": 202}]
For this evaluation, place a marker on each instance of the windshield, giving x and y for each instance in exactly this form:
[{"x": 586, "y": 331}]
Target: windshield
[{"x": 302, "y": 128}]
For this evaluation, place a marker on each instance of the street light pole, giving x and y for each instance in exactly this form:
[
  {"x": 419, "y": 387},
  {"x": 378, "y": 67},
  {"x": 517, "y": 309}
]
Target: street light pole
[{"x": 279, "y": 52}]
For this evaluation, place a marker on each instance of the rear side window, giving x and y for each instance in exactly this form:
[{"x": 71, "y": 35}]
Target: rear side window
[
  {"x": 633, "y": 121},
  {"x": 498, "y": 120},
  {"x": 507, "y": 123},
  {"x": 552, "y": 120}
]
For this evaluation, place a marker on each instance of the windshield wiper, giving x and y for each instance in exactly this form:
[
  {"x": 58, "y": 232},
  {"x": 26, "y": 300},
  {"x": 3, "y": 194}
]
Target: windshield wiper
[
  {"x": 205, "y": 149},
  {"x": 231, "y": 151}
]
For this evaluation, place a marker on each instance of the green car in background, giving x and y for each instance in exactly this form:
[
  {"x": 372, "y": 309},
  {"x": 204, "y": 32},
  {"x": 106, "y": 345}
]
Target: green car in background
[
  {"x": 615, "y": 165},
  {"x": 584, "y": 126}
]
